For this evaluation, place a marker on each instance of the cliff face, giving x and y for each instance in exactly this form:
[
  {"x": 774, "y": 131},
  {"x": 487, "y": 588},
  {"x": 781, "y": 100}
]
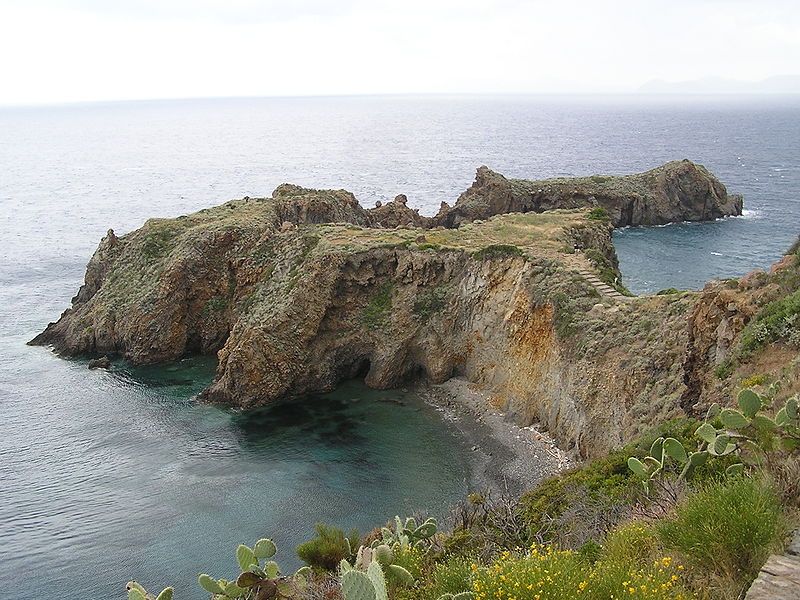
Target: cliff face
[
  {"x": 294, "y": 304},
  {"x": 674, "y": 192}
]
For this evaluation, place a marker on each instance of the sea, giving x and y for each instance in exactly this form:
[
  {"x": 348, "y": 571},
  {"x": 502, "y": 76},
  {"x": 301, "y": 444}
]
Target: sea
[{"x": 107, "y": 476}]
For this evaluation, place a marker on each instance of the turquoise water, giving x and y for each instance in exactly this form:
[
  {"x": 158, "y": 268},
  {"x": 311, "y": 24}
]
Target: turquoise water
[
  {"x": 110, "y": 476},
  {"x": 133, "y": 479}
]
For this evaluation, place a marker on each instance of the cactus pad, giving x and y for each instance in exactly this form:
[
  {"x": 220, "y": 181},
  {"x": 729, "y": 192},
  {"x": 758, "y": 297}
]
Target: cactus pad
[
  {"x": 357, "y": 586},
  {"x": 264, "y": 548}
]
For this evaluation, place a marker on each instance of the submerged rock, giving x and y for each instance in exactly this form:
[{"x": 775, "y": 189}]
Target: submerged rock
[{"x": 100, "y": 363}]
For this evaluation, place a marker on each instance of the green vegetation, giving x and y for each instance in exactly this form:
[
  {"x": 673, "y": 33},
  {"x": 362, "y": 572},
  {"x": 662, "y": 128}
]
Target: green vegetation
[
  {"x": 727, "y": 528},
  {"x": 746, "y": 434},
  {"x": 158, "y": 241},
  {"x": 599, "y": 213},
  {"x": 724, "y": 369},
  {"x": 778, "y": 321},
  {"x": 214, "y": 305},
  {"x": 429, "y": 246},
  {"x": 498, "y": 251},
  {"x": 754, "y": 381},
  {"x": 329, "y": 547},
  {"x": 794, "y": 248},
  {"x": 606, "y": 271},
  {"x": 430, "y": 302},
  {"x": 549, "y": 574},
  {"x": 258, "y": 581},
  {"x": 137, "y": 592},
  {"x": 668, "y": 291},
  {"x": 600, "y": 178},
  {"x": 379, "y": 306}
]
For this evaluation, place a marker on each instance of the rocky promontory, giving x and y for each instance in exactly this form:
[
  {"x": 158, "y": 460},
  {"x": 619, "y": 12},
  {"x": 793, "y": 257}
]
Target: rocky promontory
[
  {"x": 676, "y": 191},
  {"x": 302, "y": 290}
]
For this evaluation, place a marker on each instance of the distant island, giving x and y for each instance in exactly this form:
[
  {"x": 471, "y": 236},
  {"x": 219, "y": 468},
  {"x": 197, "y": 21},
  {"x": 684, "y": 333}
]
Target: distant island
[{"x": 779, "y": 84}]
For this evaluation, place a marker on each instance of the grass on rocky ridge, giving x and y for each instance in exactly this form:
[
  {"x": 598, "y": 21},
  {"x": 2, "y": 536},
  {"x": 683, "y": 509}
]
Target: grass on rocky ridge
[{"x": 538, "y": 233}]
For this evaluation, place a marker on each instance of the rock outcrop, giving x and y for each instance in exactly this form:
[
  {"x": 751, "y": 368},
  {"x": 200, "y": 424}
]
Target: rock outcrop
[
  {"x": 292, "y": 304},
  {"x": 396, "y": 214},
  {"x": 303, "y": 206},
  {"x": 674, "y": 192}
]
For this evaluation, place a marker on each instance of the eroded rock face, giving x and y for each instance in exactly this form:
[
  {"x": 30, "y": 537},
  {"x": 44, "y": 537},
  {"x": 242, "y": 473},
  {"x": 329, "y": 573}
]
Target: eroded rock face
[
  {"x": 293, "y": 310},
  {"x": 303, "y": 206},
  {"x": 294, "y": 306},
  {"x": 396, "y": 214},
  {"x": 674, "y": 192}
]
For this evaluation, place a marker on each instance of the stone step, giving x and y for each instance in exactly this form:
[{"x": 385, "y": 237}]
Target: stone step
[
  {"x": 779, "y": 579},
  {"x": 603, "y": 288}
]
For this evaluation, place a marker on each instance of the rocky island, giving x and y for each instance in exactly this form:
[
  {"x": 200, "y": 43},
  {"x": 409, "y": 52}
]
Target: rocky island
[
  {"x": 515, "y": 289},
  {"x": 509, "y": 305}
]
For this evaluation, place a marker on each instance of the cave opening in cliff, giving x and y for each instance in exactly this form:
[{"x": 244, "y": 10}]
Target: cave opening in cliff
[
  {"x": 416, "y": 373},
  {"x": 360, "y": 368}
]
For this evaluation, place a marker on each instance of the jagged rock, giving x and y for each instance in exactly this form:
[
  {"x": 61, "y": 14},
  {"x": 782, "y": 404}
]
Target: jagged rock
[
  {"x": 785, "y": 263},
  {"x": 396, "y": 213},
  {"x": 676, "y": 191},
  {"x": 753, "y": 280},
  {"x": 100, "y": 363},
  {"x": 303, "y": 206}
]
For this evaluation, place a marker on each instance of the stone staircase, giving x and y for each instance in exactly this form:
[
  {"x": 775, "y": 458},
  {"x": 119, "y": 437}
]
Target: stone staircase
[
  {"x": 603, "y": 288},
  {"x": 779, "y": 578}
]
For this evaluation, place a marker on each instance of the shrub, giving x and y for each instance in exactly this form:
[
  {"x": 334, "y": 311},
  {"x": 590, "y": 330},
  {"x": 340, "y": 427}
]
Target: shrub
[
  {"x": 668, "y": 291},
  {"x": 380, "y": 304},
  {"x": 498, "y": 251},
  {"x": 548, "y": 574},
  {"x": 727, "y": 528},
  {"x": 657, "y": 580},
  {"x": 599, "y": 213},
  {"x": 410, "y": 558},
  {"x": 724, "y": 369},
  {"x": 329, "y": 547},
  {"x": 795, "y": 248},
  {"x": 543, "y": 573},
  {"x": 429, "y": 246},
  {"x": 631, "y": 543},
  {"x": 601, "y": 485},
  {"x": 754, "y": 381},
  {"x": 430, "y": 302},
  {"x": 452, "y": 576},
  {"x": 778, "y": 320}
]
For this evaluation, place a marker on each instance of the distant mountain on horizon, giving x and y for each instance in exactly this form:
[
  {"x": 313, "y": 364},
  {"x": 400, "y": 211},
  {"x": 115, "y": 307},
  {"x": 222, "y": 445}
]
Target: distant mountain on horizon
[{"x": 778, "y": 84}]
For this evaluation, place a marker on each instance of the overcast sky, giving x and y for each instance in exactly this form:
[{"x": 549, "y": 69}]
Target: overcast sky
[{"x": 77, "y": 50}]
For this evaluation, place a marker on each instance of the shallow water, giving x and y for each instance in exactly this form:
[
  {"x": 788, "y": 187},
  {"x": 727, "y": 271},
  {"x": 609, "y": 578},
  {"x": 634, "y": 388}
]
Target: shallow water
[
  {"x": 133, "y": 479},
  {"x": 112, "y": 476}
]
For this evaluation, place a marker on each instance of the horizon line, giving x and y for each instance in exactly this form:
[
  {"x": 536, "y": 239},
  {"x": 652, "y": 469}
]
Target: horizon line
[{"x": 633, "y": 93}]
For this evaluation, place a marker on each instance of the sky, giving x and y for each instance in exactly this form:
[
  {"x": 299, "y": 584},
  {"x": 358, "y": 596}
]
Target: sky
[{"x": 93, "y": 50}]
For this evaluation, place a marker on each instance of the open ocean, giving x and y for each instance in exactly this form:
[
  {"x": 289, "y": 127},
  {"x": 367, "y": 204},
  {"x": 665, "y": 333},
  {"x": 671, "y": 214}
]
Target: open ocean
[{"x": 111, "y": 476}]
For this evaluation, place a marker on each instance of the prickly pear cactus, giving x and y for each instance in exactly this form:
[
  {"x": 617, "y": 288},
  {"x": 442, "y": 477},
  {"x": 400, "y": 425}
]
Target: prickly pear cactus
[
  {"x": 264, "y": 548},
  {"x": 357, "y": 586},
  {"x": 137, "y": 592},
  {"x": 375, "y": 574}
]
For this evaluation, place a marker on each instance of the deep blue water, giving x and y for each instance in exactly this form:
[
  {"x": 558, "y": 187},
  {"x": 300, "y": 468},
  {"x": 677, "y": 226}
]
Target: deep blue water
[{"x": 110, "y": 476}]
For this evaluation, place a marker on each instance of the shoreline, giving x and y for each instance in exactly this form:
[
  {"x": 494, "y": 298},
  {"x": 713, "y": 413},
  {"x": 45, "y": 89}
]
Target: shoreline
[{"x": 505, "y": 458}]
